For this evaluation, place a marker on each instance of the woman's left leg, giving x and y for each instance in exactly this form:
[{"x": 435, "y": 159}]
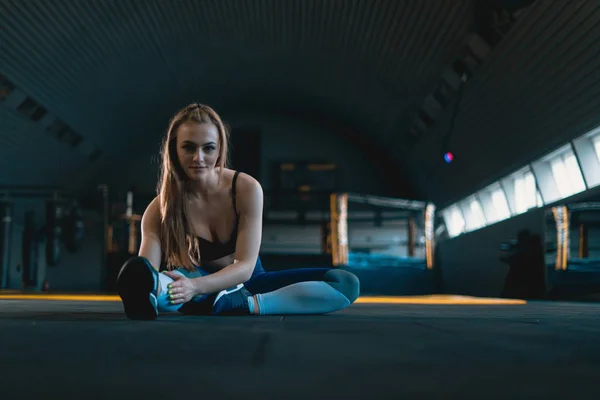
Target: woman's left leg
[
  {"x": 303, "y": 291},
  {"x": 296, "y": 291}
]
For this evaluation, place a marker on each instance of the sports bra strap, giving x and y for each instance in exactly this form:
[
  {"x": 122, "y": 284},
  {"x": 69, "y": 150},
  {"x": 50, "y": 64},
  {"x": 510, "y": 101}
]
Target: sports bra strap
[{"x": 233, "y": 191}]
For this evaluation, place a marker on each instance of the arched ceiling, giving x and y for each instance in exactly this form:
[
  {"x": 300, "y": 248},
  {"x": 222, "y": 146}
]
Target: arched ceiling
[
  {"x": 537, "y": 89},
  {"x": 116, "y": 70}
]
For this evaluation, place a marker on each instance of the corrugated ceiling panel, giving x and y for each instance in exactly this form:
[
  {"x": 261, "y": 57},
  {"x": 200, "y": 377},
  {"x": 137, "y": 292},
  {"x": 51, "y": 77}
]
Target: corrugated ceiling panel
[
  {"x": 115, "y": 70},
  {"x": 29, "y": 156},
  {"x": 538, "y": 89}
]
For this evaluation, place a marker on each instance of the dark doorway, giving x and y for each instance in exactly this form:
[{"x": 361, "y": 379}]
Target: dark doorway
[{"x": 245, "y": 150}]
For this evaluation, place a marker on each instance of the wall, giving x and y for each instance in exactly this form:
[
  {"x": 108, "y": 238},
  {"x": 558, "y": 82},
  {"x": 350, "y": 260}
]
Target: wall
[
  {"x": 296, "y": 140},
  {"x": 469, "y": 263},
  {"x": 283, "y": 139}
]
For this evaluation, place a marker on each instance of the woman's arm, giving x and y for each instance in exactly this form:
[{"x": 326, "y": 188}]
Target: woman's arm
[
  {"x": 150, "y": 247},
  {"x": 250, "y": 208}
]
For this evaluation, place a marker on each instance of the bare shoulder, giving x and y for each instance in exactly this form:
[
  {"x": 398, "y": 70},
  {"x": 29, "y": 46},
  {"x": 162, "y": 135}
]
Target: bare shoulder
[
  {"x": 250, "y": 192},
  {"x": 247, "y": 184},
  {"x": 153, "y": 207},
  {"x": 151, "y": 217}
]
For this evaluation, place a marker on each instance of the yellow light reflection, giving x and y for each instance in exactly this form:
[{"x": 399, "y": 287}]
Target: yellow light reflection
[
  {"x": 60, "y": 297},
  {"x": 439, "y": 299},
  {"x": 430, "y": 299}
]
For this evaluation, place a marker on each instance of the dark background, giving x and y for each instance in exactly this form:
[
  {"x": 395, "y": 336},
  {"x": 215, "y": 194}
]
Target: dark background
[{"x": 373, "y": 87}]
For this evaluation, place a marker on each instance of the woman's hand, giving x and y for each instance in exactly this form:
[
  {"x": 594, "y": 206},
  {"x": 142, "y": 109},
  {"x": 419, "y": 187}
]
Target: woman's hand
[{"x": 182, "y": 289}]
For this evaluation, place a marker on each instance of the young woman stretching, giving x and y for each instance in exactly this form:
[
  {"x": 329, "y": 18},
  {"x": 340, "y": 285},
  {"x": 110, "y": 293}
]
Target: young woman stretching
[{"x": 205, "y": 225}]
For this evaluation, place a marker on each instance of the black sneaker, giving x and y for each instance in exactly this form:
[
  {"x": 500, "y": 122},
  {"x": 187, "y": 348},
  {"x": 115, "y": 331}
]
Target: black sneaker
[
  {"x": 137, "y": 284},
  {"x": 232, "y": 301}
]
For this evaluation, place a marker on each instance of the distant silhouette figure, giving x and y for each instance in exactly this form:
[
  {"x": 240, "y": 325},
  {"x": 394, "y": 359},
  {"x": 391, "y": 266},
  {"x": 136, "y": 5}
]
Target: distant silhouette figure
[{"x": 526, "y": 275}]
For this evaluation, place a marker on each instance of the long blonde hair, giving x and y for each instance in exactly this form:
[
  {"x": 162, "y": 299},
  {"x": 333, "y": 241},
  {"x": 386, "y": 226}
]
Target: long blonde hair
[{"x": 180, "y": 246}]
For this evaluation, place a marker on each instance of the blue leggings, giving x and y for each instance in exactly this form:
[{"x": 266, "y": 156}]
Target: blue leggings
[{"x": 295, "y": 291}]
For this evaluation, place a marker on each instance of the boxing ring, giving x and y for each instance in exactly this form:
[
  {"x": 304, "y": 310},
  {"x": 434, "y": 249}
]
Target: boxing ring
[
  {"x": 419, "y": 215},
  {"x": 573, "y": 249}
]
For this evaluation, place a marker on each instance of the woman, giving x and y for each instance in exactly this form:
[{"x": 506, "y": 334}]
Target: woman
[{"x": 206, "y": 226}]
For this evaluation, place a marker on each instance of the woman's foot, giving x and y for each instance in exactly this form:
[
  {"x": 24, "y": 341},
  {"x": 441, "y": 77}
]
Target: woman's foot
[
  {"x": 233, "y": 301},
  {"x": 137, "y": 285}
]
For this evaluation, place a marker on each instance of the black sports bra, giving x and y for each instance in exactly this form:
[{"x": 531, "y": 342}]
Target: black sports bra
[{"x": 210, "y": 251}]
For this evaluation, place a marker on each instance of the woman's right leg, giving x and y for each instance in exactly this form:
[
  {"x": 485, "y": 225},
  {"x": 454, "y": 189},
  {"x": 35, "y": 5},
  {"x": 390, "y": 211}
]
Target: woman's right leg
[
  {"x": 163, "y": 299},
  {"x": 137, "y": 285},
  {"x": 144, "y": 291}
]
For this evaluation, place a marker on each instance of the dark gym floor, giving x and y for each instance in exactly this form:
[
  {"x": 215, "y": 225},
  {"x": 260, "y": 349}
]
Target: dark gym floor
[{"x": 84, "y": 349}]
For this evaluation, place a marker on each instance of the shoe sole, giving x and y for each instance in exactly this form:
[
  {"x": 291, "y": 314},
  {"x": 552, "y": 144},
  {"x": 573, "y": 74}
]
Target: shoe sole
[{"x": 135, "y": 285}]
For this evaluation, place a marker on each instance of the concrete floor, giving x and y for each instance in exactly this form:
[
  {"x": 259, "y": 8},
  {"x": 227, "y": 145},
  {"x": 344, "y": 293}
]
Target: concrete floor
[{"x": 90, "y": 350}]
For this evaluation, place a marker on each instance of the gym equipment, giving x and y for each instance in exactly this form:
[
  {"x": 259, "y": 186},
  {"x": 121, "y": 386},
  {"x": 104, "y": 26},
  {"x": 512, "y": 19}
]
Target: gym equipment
[
  {"x": 29, "y": 251},
  {"x": 124, "y": 233},
  {"x": 73, "y": 228},
  {"x": 571, "y": 238},
  {"x": 64, "y": 225},
  {"x": 54, "y": 214},
  {"x": 380, "y": 230},
  {"x": 572, "y": 250},
  {"x": 561, "y": 218},
  {"x": 123, "y": 239},
  {"x": 6, "y": 209}
]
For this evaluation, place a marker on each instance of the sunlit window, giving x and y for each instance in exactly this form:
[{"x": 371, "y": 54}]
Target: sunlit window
[
  {"x": 500, "y": 204},
  {"x": 566, "y": 171},
  {"x": 567, "y": 175},
  {"x": 472, "y": 213},
  {"x": 455, "y": 222},
  {"x": 526, "y": 195},
  {"x": 596, "y": 142},
  {"x": 477, "y": 216}
]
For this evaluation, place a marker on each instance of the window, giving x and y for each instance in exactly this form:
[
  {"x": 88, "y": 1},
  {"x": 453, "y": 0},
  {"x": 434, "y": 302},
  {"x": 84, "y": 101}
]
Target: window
[
  {"x": 472, "y": 213},
  {"x": 558, "y": 174},
  {"x": 587, "y": 150},
  {"x": 540, "y": 202},
  {"x": 494, "y": 203},
  {"x": 477, "y": 214},
  {"x": 526, "y": 195},
  {"x": 566, "y": 171},
  {"x": 455, "y": 222},
  {"x": 521, "y": 191},
  {"x": 500, "y": 204},
  {"x": 596, "y": 142},
  {"x": 525, "y": 192},
  {"x": 567, "y": 175}
]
